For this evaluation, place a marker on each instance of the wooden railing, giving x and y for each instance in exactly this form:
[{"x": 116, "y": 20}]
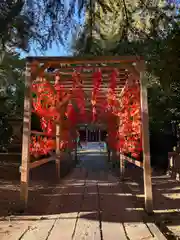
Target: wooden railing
[{"x": 174, "y": 164}]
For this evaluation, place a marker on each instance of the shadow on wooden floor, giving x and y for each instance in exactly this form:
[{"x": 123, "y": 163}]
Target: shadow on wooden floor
[{"x": 117, "y": 202}]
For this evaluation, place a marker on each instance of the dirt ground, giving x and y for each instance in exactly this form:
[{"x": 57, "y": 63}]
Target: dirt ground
[{"x": 42, "y": 180}]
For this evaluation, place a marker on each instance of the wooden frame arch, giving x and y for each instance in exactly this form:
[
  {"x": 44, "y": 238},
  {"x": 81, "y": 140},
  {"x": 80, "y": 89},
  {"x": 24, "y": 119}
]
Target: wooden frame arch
[{"x": 135, "y": 65}]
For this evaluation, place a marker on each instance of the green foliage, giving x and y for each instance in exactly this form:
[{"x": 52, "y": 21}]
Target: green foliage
[
  {"x": 156, "y": 38},
  {"x": 46, "y": 21},
  {"x": 16, "y": 27},
  {"x": 128, "y": 22},
  {"x": 12, "y": 82}
]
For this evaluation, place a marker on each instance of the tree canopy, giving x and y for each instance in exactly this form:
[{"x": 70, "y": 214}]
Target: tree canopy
[
  {"x": 48, "y": 21},
  {"x": 151, "y": 31},
  {"x": 109, "y": 27}
]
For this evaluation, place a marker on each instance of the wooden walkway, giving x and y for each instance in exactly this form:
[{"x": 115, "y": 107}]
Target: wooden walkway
[{"x": 91, "y": 204}]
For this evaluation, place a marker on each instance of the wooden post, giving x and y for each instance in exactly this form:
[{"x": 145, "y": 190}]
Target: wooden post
[
  {"x": 99, "y": 138},
  {"x": 86, "y": 135},
  {"x": 109, "y": 154},
  {"x": 58, "y": 153},
  {"x": 145, "y": 144},
  {"x": 122, "y": 166},
  {"x": 121, "y": 156},
  {"x": 76, "y": 158},
  {"x": 75, "y": 152},
  {"x": 24, "y": 169}
]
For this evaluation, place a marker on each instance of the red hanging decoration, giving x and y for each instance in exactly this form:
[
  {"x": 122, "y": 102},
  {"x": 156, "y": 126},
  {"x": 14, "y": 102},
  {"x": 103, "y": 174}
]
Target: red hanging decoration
[
  {"x": 97, "y": 79},
  {"x": 78, "y": 92},
  {"x": 45, "y": 105},
  {"x": 71, "y": 115},
  {"x": 130, "y": 129},
  {"x": 111, "y": 96}
]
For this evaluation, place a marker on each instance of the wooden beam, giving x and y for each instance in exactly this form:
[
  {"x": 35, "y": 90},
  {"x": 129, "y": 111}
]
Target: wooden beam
[
  {"x": 84, "y": 69},
  {"x": 10, "y": 153},
  {"x": 41, "y": 162},
  {"x": 26, "y": 138},
  {"x": 41, "y": 134},
  {"x": 75, "y": 152},
  {"x": 86, "y": 60},
  {"x": 145, "y": 144},
  {"x": 172, "y": 154},
  {"x": 37, "y": 70},
  {"x": 135, "y": 162},
  {"x": 122, "y": 166},
  {"x": 87, "y": 80},
  {"x": 90, "y": 74},
  {"x": 58, "y": 152}
]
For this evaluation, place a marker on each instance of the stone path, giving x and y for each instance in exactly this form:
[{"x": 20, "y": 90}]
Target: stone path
[{"x": 90, "y": 204}]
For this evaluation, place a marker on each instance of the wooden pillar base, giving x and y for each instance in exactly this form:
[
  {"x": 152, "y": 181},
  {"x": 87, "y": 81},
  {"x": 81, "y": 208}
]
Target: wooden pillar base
[
  {"x": 23, "y": 195},
  {"x": 148, "y": 188},
  {"x": 109, "y": 155},
  {"x": 58, "y": 154},
  {"x": 58, "y": 167},
  {"x": 75, "y": 153},
  {"x": 122, "y": 166}
]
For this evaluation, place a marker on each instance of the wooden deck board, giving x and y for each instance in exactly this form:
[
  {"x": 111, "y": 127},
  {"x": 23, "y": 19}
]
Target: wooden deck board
[
  {"x": 40, "y": 230},
  {"x": 138, "y": 231},
  {"x": 85, "y": 206},
  {"x": 63, "y": 224},
  {"x": 113, "y": 231},
  {"x": 88, "y": 224},
  {"x": 70, "y": 206},
  {"x": 13, "y": 230},
  {"x": 112, "y": 227}
]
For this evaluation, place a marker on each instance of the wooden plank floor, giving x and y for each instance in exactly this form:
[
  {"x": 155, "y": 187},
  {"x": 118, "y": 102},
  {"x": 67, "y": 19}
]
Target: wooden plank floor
[{"x": 91, "y": 204}]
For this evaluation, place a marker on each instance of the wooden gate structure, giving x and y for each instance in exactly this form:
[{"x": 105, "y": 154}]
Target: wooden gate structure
[{"x": 65, "y": 66}]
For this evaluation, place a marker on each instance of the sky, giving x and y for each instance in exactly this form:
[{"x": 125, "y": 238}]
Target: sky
[
  {"x": 63, "y": 50},
  {"x": 53, "y": 51},
  {"x": 56, "y": 50}
]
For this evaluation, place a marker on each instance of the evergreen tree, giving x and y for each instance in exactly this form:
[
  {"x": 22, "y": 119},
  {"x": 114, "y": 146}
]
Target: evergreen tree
[
  {"x": 47, "y": 21},
  {"x": 128, "y": 21}
]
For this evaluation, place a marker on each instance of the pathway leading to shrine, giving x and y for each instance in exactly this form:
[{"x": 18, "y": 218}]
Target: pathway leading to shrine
[{"x": 90, "y": 204}]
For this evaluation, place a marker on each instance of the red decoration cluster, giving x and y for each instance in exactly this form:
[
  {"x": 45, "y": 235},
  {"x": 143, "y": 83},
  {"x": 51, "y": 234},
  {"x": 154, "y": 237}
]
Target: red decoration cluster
[
  {"x": 45, "y": 104},
  {"x": 130, "y": 121},
  {"x": 123, "y": 120},
  {"x": 41, "y": 145},
  {"x": 112, "y": 87},
  {"x": 97, "y": 79}
]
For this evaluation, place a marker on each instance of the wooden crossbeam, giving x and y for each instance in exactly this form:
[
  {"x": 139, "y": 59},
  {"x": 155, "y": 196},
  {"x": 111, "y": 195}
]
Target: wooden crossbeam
[
  {"x": 41, "y": 133},
  {"x": 41, "y": 162},
  {"x": 135, "y": 162},
  {"x": 87, "y": 60},
  {"x": 84, "y": 69}
]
